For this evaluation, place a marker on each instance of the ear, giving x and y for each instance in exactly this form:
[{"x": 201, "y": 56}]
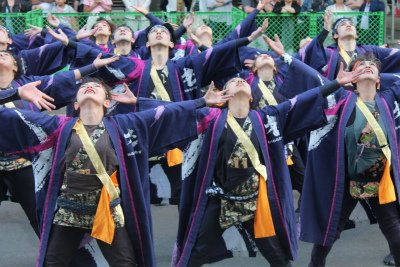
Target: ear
[
  {"x": 76, "y": 105},
  {"x": 171, "y": 45},
  {"x": 133, "y": 40},
  {"x": 147, "y": 45},
  {"x": 9, "y": 41},
  {"x": 107, "y": 103},
  {"x": 335, "y": 36}
]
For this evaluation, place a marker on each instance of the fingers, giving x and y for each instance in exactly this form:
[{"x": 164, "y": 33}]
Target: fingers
[
  {"x": 47, "y": 98},
  {"x": 211, "y": 87},
  {"x": 126, "y": 87},
  {"x": 265, "y": 24},
  {"x": 113, "y": 59},
  {"x": 276, "y": 37},
  {"x": 267, "y": 40},
  {"x": 36, "y": 83},
  {"x": 52, "y": 32},
  {"x": 43, "y": 104},
  {"x": 99, "y": 56}
]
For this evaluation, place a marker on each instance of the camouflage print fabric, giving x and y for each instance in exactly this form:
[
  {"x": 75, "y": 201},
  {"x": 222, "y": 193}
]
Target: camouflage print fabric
[
  {"x": 235, "y": 212},
  {"x": 11, "y": 165},
  {"x": 368, "y": 189},
  {"x": 271, "y": 87},
  {"x": 67, "y": 217},
  {"x": 82, "y": 156},
  {"x": 70, "y": 218}
]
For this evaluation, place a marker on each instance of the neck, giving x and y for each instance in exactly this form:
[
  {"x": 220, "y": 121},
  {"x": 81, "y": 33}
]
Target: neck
[
  {"x": 159, "y": 55},
  {"x": 265, "y": 73},
  {"x": 339, "y": 5},
  {"x": 348, "y": 43},
  {"x": 91, "y": 114},
  {"x": 101, "y": 39},
  {"x": 239, "y": 107},
  {"x": 124, "y": 47},
  {"x": 6, "y": 78},
  {"x": 366, "y": 90}
]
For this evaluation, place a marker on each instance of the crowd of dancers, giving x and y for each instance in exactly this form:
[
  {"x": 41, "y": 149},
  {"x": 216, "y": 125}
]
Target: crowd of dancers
[{"x": 227, "y": 130}]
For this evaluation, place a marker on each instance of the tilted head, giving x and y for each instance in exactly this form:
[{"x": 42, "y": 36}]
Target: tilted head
[
  {"x": 123, "y": 33},
  {"x": 104, "y": 27},
  {"x": 344, "y": 27},
  {"x": 264, "y": 60},
  {"x": 161, "y": 35},
  {"x": 93, "y": 91},
  {"x": 238, "y": 88},
  {"x": 370, "y": 67}
]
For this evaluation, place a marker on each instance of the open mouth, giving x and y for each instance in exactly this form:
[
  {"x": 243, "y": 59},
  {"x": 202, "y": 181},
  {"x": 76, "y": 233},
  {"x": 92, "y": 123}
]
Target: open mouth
[
  {"x": 368, "y": 71},
  {"x": 89, "y": 91}
]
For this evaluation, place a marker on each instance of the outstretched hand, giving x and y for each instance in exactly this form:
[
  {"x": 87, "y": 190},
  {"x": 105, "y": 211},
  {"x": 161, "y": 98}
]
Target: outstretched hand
[
  {"x": 345, "y": 77},
  {"x": 85, "y": 32},
  {"x": 29, "y": 92},
  {"x": 141, "y": 9},
  {"x": 189, "y": 19},
  {"x": 254, "y": 35},
  {"x": 60, "y": 35},
  {"x": 276, "y": 45},
  {"x": 328, "y": 20},
  {"x": 193, "y": 37},
  {"x": 127, "y": 97},
  {"x": 33, "y": 30},
  {"x": 101, "y": 62},
  {"x": 214, "y": 98},
  {"x": 53, "y": 20}
]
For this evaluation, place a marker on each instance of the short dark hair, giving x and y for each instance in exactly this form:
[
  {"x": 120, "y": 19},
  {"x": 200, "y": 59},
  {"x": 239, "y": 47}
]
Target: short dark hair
[
  {"x": 120, "y": 26},
  {"x": 168, "y": 27},
  {"x": 369, "y": 56},
  {"x": 337, "y": 22}
]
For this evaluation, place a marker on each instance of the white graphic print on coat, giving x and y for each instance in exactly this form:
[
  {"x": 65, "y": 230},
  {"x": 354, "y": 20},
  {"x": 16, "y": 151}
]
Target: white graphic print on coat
[
  {"x": 131, "y": 141},
  {"x": 191, "y": 154},
  {"x": 117, "y": 73},
  {"x": 271, "y": 127},
  {"x": 43, "y": 160},
  {"x": 396, "y": 115},
  {"x": 113, "y": 104},
  {"x": 318, "y": 135},
  {"x": 189, "y": 79}
]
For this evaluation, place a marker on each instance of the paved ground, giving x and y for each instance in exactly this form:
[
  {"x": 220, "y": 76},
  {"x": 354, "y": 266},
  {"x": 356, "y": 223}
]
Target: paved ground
[{"x": 360, "y": 247}]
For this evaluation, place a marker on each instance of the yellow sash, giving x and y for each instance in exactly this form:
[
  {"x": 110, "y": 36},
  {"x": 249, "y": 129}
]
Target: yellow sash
[
  {"x": 267, "y": 93},
  {"x": 103, "y": 225},
  {"x": 263, "y": 224},
  {"x": 344, "y": 55},
  {"x": 386, "y": 188},
  {"x": 174, "y": 156},
  {"x": 160, "y": 89},
  {"x": 272, "y": 102}
]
